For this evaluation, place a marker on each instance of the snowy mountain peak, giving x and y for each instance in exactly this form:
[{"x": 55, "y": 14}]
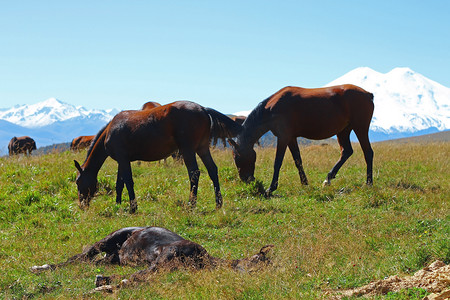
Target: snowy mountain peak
[
  {"x": 405, "y": 101},
  {"x": 52, "y": 102},
  {"x": 48, "y": 112}
]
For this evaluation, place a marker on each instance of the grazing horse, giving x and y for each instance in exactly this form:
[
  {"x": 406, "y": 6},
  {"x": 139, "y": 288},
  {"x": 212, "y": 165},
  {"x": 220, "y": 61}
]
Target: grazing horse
[
  {"x": 159, "y": 248},
  {"x": 150, "y": 105},
  {"x": 311, "y": 113},
  {"x": 23, "y": 144},
  {"x": 151, "y": 135},
  {"x": 81, "y": 142}
]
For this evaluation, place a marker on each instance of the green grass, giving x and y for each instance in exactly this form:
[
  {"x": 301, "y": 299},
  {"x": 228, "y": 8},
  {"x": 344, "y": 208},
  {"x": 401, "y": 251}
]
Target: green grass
[{"x": 341, "y": 236}]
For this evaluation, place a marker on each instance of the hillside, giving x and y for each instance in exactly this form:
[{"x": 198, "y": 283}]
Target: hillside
[{"x": 426, "y": 138}]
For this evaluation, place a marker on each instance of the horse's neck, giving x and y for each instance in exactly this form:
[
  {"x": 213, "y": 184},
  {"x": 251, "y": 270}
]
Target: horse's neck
[
  {"x": 96, "y": 157},
  {"x": 252, "y": 132}
]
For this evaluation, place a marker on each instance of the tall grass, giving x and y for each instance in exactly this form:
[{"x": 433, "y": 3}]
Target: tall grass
[{"x": 340, "y": 236}]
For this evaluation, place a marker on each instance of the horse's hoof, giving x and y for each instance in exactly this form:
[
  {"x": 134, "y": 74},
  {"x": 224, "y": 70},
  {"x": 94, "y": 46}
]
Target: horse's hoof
[
  {"x": 326, "y": 182},
  {"x": 133, "y": 208},
  {"x": 268, "y": 193}
]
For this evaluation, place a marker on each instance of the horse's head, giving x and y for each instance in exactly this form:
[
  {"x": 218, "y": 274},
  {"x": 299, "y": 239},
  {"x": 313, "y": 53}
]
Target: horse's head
[
  {"x": 87, "y": 186},
  {"x": 245, "y": 159},
  {"x": 254, "y": 262}
]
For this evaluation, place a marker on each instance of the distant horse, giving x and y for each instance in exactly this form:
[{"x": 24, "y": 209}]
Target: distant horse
[
  {"x": 158, "y": 248},
  {"x": 151, "y": 135},
  {"x": 311, "y": 113},
  {"x": 23, "y": 144},
  {"x": 81, "y": 142},
  {"x": 239, "y": 119},
  {"x": 150, "y": 105}
]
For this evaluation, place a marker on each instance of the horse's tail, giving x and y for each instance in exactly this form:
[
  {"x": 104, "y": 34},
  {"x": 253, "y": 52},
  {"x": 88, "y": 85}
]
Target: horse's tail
[{"x": 222, "y": 127}]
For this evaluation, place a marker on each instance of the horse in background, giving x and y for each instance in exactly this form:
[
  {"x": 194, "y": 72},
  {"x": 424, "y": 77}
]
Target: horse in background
[
  {"x": 159, "y": 249},
  {"x": 150, "y": 105},
  {"x": 81, "y": 142},
  {"x": 151, "y": 135},
  {"x": 310, "y": 113},
  {"x": 23, "y": 144},
  {"x": 239, "y": 119}
]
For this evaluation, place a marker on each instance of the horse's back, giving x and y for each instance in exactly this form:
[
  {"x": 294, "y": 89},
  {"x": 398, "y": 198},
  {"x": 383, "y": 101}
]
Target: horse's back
[{"x": 318, "y": 113}]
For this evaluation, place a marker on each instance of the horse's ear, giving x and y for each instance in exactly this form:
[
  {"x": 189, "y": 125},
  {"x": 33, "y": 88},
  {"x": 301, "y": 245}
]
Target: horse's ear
[
  {"x": 233, "y": 144},
  {"x": 264, "y": 250},
  {"x": 77, "y": 165}
]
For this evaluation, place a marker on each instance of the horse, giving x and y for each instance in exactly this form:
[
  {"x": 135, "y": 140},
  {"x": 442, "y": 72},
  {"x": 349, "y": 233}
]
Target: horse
[
  {"x": 23, "y": 144},
  {"x": 81, "y": 142},
  {"x": 239, "y": 119},
  {"x": 150, "y": 105},
  {"x": 310, "y": 113},
  {"x": 151, "y": 135},
  {"x": 155, "y": 247}
]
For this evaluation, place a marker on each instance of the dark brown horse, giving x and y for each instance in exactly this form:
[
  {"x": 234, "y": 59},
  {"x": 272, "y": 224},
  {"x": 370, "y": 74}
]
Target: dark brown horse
[
  {"x": 151, "y": 135},
  {"x": 150, "y": 105},
  {"x": 156, "y": 247},
  {"x": 81, "y": 142},
  {"x": 23, "y": 144},
  {"x": 311, "y": 113}
]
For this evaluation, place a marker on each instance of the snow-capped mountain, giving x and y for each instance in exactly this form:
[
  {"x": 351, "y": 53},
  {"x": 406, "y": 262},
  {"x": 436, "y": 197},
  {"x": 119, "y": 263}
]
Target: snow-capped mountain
[
  {"x": 405, "y": 101},
  {"x": 50, "y": 122},
  {"x": 50, "y": 111}
]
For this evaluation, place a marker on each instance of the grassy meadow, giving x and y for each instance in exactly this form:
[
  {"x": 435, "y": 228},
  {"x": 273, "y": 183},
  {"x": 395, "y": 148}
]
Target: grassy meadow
[{"x": 341, "y": 236}]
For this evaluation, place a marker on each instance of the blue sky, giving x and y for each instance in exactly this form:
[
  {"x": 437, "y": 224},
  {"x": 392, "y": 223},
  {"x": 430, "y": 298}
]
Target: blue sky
[{"x": 228, "y": 55}]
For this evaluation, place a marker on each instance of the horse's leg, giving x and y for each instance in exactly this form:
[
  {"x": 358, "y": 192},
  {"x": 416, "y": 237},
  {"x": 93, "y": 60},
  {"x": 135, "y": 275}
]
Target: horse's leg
[
  {"x": 212, "y": 172},
  {"x": 363, "y": 137},
  {"x": 281, "y": 150},
  {"x": 119, "y": 186},
  {"x": 343, "y": 139},
  {"x": 194, "y": 174},
  {"x": 127, "y": 177},
  {"x": 295, "y": 151}
]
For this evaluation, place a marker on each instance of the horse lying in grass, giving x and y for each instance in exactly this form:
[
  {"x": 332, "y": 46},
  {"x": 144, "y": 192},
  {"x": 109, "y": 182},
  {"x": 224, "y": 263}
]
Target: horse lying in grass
[
  {"x": 159, "y": 248},
  {"x": 311, "y": 113},
  {"x": 151, "y": 135}
]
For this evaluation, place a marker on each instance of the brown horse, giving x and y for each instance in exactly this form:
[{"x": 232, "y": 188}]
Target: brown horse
[
  {"x": 311, "y": 113},
  {"x": 150, "y": 105},
  {"x": 239, "y": 119},
  {"x": 159, "y": 249},
  {"x": 23, "y": 144},
  {"x": 151, "y": 135},
  {"x": 81, "y": 142}
]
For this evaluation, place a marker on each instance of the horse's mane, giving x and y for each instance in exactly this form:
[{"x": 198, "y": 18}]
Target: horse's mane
[
  {"x": 94, "y": 141},
  {"x": 256, "y": 115}
]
